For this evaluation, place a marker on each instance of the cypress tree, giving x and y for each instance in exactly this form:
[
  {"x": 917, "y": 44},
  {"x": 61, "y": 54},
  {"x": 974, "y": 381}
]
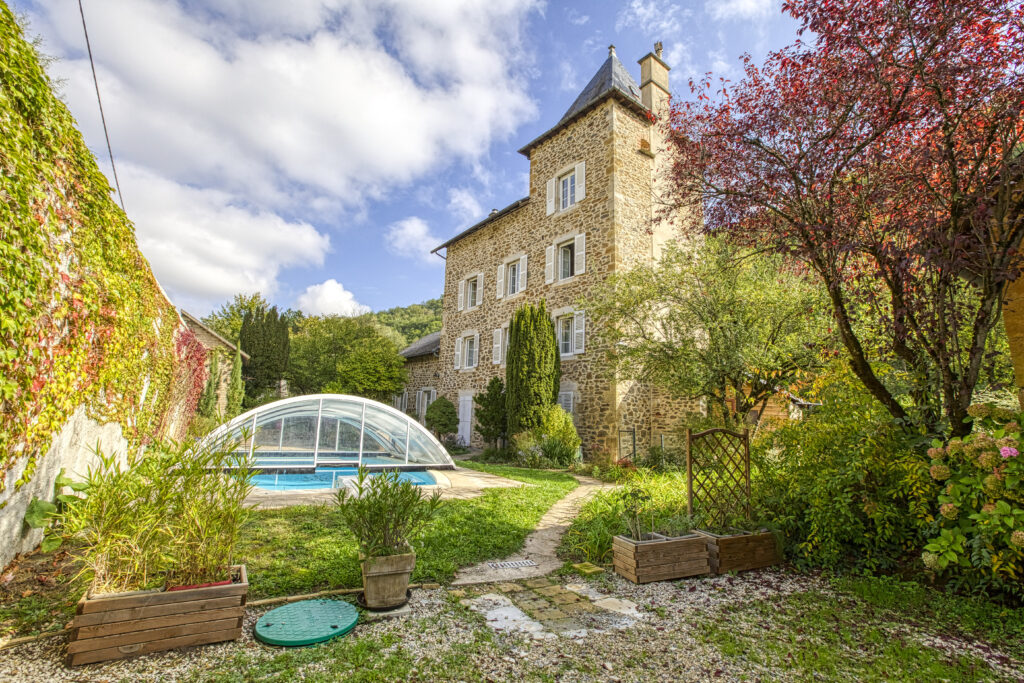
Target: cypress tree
[
  {"x": 533, "y": 369},
  {"x": 491, "y": 418},
  {"x": 236, "y": 389},
  {"x": 208, "y": 399},
  {"x": 264, "y": 336}
]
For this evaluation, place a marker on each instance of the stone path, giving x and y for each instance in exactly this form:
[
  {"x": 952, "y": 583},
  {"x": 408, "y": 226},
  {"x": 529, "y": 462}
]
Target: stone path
[
  {"x": 540, "y": 544},
  {"x": 542, "y": 609}
]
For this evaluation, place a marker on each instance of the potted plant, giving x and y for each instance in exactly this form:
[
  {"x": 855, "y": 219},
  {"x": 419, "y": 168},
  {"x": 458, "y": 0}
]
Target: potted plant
[
  {"x": 643, "y": 557},
  {"x": 384, "y": 512},
  {"x": 157, "y": 536}
]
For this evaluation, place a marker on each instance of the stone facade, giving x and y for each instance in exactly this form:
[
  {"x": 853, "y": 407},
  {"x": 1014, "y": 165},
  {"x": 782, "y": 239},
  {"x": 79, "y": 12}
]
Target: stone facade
[
  {"x": 215, "y": 345},
  {"x": 613, "y": 147}
]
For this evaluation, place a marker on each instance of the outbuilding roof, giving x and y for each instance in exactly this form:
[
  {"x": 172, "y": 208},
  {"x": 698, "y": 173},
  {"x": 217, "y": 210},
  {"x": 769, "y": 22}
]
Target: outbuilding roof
[{"x": 424, "y": 346}]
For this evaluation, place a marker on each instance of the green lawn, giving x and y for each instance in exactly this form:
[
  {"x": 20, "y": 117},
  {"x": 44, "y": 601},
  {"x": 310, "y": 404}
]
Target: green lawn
[{"x": 304, "y": 548}]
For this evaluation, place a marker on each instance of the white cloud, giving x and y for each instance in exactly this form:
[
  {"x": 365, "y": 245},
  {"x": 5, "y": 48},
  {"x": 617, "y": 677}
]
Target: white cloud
[
  {"x": 301, "y": 110},
  {"x": 203, "y": 248},
  {"x": 462, "y": 203},
  {"x": 411, "y": 238},
  {"x": 576, "y": 18},
  {"x": 569, "y": 80},
  {"x": 329, "y": 298},
  {"x": 658, "y": 18},
  {"x": 738, "y": 9}
]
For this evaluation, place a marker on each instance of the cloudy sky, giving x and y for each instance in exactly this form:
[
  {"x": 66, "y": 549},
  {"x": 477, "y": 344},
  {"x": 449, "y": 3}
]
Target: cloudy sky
[{"x": 317, "y": 150}]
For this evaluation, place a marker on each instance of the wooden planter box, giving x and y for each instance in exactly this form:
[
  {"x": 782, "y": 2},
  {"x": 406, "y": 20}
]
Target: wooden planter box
[
  {"x": 122, "y": 625},
  {"x": 386, "y": 580},
  {"x": 660, "y": 558},
  {"x": 741, "y": 551}
]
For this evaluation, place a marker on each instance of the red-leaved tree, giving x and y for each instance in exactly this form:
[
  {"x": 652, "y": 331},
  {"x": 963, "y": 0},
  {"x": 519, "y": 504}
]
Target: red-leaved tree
[{"x": 884, "y": 153}]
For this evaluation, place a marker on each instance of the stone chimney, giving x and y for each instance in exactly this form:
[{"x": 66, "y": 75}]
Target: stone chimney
[{"x": 654, "y": 92}]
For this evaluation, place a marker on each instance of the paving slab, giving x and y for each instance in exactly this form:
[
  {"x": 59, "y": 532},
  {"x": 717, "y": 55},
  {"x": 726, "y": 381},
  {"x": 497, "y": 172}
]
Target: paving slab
[{"x": 510, "y": 587}]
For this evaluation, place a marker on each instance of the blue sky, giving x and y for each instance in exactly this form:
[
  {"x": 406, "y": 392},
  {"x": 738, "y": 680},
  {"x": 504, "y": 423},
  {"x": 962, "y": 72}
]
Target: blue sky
[{"x": 316, "y": 150}]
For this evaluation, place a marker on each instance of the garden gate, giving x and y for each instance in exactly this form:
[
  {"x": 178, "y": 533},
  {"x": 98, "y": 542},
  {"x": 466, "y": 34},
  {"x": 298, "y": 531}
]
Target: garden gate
[{"x": 718, "y": 474}]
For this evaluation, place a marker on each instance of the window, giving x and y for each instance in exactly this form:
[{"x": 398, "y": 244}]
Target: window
[
  {"x": 471, "y": 291},
  {"x": 565, "y": 335},
  {"x": 567, "y": 190},
  {"x": 471, "y": 287},
  {"x": 566, "y": 260},
  {"x": 469, "y": 351},
  {"x": 466, "y": 350},
  {"x": 512, "y": 278}
]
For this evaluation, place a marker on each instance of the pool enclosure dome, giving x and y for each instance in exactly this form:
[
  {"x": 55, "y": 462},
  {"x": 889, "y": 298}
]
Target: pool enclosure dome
[{"x": 331, "y": 430}]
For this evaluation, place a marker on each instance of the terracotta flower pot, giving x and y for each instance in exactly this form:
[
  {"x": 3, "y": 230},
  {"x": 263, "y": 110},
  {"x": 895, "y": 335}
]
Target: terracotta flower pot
[{"x": 386, "y": 580}]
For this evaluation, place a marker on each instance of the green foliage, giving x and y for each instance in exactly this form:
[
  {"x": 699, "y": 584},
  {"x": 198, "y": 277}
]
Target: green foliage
[
  {"x": 172, "y": 516},
  {"x": 491, "y": 418},
  {"x": 647, "y": 502},
  {"x": 559, "y": 441},
  {"x": 306, "y": 548},
  {"x": 441, "y": 417},
  {"x": 847, "y": 486},
  {"x": 227, "y": 320},
  {"x": 532, "y": 370},
  {"x": 344, "y": 355},
  {"x": 980, "y": 540},
  {"x": 715, "y": 321},
  {"x": 412, "y": 322},
  {"x": 236, "y": 388},
  {"x": 208, "y": 399},
  {"x": 264, "y": 335},
  {"x": 82, "y": 320},
  {"x": 384, "y": 512}
]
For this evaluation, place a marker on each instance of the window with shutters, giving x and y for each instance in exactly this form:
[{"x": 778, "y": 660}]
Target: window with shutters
[
  {"x": 565, "y": 335},
  {"x": 469, "y": 352},
  {"x": 472, "y": 287},
  {"x": 566, "y": 399},
  {"x": 512, "y": 278},
  {"x": 566, "y": 260},
  {"x": 567, "y": 190}
]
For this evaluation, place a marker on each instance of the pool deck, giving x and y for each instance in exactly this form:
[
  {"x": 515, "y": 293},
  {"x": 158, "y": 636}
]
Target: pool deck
[{"x": 458, "y": 484}]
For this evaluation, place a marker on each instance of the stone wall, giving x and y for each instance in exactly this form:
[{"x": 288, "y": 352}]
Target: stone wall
[
  {"x": 74, "y": 451},
  {"x": 423, "y": 373}
]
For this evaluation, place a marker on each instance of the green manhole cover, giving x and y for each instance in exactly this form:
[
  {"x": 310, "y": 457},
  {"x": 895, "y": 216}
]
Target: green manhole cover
[{"x": 306, "y": 622}]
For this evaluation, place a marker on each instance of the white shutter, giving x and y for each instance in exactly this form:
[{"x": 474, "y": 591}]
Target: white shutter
[
  {"x": 549, "y": 264},
  {"x": 552, "y": 184},
  {"x": 496, "y": 347},
  {"x": 581, "y": 254},
  {"x": 581, "y": 181},
  {"x": 579, "y": 332},
  {"x": 433, "y": 396},
  {"x": 501, "y": 280},
  {"x": 476, "y": 349},
  {"x": 565, "y": 399},
  {"x": 479, "y": 289},
  {"x": 458, "y": 353},
  {"x": 462, "y": 294},
  {"x": 522, "y": 273}
]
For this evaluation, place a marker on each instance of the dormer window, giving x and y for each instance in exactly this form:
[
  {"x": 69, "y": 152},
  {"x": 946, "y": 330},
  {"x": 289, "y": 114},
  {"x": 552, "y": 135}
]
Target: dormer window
[{"x": 567, "y": 190}]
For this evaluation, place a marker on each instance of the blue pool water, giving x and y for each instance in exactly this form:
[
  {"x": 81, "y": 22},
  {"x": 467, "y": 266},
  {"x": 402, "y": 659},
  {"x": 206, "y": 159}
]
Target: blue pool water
[{"x": 326, "y": 478}]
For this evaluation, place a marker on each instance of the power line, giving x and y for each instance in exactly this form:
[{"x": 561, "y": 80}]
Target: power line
[{"x": 99, "y": 101}]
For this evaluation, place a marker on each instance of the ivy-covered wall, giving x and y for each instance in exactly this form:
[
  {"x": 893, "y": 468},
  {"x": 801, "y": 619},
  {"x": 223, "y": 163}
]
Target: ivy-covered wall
[{"x": 83, "y": 323}]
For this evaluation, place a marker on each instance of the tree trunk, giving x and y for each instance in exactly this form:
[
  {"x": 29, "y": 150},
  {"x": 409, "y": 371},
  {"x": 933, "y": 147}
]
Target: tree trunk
[{"x": 1013, "y": 320}]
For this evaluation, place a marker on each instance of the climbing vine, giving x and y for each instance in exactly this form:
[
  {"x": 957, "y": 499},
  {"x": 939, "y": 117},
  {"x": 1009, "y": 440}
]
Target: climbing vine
[{"x": 83, "y": 321}]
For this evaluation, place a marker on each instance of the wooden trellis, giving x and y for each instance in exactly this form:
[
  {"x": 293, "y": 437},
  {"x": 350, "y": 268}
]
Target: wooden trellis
[{"x": 718, "y": 474}]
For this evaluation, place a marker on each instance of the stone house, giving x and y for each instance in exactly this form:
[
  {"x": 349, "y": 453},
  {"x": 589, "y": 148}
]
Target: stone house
[
  {"x": 591, "y": 211},
  {"x": 215, "y": 345}
]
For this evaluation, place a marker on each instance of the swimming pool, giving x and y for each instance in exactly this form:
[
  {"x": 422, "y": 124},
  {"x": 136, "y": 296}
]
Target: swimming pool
[{"x": 327, "y": 478}]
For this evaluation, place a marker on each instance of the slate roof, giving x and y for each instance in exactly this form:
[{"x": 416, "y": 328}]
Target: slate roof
[
  {"x": 423, "y": 346},
  {"x": 611, "y": 80}
]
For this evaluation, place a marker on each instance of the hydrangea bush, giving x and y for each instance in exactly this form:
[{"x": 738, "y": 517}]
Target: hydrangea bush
[{"x": 980, "y": 541}]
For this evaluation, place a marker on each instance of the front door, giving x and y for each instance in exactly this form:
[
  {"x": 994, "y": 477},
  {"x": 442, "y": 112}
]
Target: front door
[{"x": 465, "y": 418}]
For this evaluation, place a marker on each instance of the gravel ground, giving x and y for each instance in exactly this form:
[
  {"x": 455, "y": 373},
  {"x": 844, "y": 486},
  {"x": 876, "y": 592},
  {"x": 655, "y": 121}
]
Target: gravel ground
[{"x": 664, "y": 647}]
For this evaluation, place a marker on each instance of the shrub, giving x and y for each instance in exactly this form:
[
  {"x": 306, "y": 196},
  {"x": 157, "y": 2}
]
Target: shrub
[
  {"x": 557, "y": 436},
  {"x": 384, "y": 512},
  {"x": 171, "y": 516},
  {"x": 848, "y": 487},
  {"x": 660, "y": 459},
  {"x": 979, "y": 542},
  {"x": 491, "y": 415},
  {"x": 441, "y": 417}
]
